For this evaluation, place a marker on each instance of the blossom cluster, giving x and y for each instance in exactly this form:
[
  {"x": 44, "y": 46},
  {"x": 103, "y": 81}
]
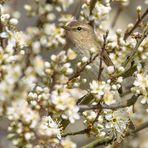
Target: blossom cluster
[
  {"x": 110, "y": 123},
  {"x": 141, "y": 84},
  {"x": 48, "y": 36},
  {"x": 98, "y": 14},
  {"x": 12, "y": 65}
]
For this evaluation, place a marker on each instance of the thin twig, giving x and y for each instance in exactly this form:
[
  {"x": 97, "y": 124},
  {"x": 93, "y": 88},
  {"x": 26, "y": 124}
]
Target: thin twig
[
  {"x": 100, "y": 68},
  {"x": 101, "y": 55},
  {"x": 92, "y": 5},
  {"x": 96, "y": 118},
  {"x": 130, "y": 58},
  {"x": 130, "y": 71},
  {"x": 1, "y": 29},
  {"x": 77, "y": 73},
  {"x": 91, "y": 59},
  {"x": 128, "y": 33},
  {"x": 52, "y": 83}
]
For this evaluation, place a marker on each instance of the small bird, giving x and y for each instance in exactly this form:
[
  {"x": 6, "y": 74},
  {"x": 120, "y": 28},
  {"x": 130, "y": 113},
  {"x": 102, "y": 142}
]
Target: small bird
[{"x": 83, "y": 38}]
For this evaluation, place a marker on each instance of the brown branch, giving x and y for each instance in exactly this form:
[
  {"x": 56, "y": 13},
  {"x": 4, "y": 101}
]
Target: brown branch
[
  {"x": 84, "y": 131},
  {"x": 115, "y": 106},
  {"x": 99, "y": 142},
  {"x": 124, "y": 104},
  {"x": 128, "y": 72},
  {"x": 77, "y": 73},
  {"x": 96, "y": 118},
  {"x": 49, "y": 1},
  {"x": 52, "y": 82},
  {"x": 92, "y": 5},
  {"x": 128, "y": 33},
  {"x": 108, "y": 140},
  {"x": 1, "y": 30},
  {"x": 130, "y": 58}
]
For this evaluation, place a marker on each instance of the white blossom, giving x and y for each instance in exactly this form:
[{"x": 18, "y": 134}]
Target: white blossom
[{"x": 48, "y": 128}]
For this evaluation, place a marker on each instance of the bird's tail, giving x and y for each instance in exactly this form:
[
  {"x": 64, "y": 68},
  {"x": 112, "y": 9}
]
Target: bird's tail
[{"x": 107, "y": 59}]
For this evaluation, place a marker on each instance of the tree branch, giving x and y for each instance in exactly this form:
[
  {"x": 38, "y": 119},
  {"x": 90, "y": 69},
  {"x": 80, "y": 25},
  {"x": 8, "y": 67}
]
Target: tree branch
[
  {"x": 131, "y": 70},
  {"x": 92, "y": 5},
  {"x": 115, "y": 106},
  {"x": 128, "y": 33},
  {"x": 49, "y": 1},
  {"x": 108, "y": 140},
  {"x": 75, "y": 133},
  {"x": 102, "y": 141},
  {"x": 78, "y": 72},
  {"x": 130, "y": 58},
  {"x": 101, "y": 55}
]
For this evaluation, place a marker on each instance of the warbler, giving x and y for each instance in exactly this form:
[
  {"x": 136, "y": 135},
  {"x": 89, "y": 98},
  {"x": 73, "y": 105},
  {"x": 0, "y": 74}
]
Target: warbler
[{"x": 83, "y": 40}]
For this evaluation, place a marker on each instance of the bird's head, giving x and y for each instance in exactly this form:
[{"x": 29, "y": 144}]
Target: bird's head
[{"x": 79, "y": 33}]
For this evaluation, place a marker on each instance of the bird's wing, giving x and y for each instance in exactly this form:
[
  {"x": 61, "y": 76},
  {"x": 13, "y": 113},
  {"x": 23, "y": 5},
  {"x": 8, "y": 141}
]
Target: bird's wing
[{"x": 107, "y": 59}]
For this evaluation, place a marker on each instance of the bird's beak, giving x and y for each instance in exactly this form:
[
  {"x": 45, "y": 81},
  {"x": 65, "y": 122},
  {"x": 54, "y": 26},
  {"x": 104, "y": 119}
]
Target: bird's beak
[{"x": 66, "y": 28}]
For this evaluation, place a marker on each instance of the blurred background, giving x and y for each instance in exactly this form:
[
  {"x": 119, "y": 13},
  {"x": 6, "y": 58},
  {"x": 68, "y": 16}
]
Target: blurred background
[{"x": 127, "y": 15}]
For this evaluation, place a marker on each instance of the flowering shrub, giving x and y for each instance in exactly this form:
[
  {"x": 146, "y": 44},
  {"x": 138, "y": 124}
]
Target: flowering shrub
[{"x": 40, "y": 97}]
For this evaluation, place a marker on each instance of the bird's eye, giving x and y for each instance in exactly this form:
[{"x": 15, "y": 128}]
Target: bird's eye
[{"x": 79, "y": 28}]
